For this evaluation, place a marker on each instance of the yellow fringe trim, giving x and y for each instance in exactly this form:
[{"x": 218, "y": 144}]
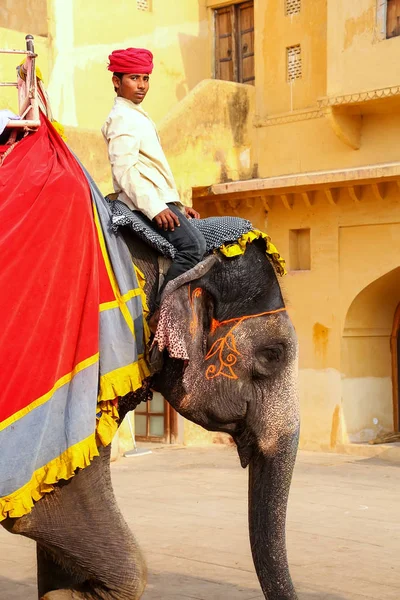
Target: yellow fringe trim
[
  {"x": 21, "y": 502},
  {"x": 239, "y": 247},
  {"x": 117, "y": 383},
  {"x": 107, "y": 425},
  {"x": 60, "y": 129},
  {"x": 112, "y": 385},
  {"x": 123, "y": 380}
]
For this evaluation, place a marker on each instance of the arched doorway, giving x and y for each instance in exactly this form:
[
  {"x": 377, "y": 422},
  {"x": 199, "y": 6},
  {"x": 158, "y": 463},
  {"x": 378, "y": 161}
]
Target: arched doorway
[
  {"x": 395, "y": 349},
  {"x": 370, "y": 362}
]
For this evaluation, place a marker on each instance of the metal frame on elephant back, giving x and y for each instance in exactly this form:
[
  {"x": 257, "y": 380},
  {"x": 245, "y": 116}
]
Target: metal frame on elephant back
[{"x": 28, "y": 100}]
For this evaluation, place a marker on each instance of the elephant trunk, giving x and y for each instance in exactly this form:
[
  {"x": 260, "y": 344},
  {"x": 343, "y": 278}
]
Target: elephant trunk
[{"x": 269, "y": 482}]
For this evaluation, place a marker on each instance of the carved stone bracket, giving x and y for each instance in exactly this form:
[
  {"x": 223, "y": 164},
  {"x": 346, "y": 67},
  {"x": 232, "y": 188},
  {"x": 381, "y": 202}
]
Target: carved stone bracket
[
  {"x": 346, "y": 126},
  {"x": 287, "y": 201},
  {"x": 355, "y": 193},
  {"x": 332, "y": 195},
  {"x": 379, "y": 190},
  {"x": 308, "y": 198}
]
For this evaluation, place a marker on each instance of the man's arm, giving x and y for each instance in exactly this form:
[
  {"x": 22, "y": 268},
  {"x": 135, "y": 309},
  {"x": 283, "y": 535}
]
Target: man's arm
[{"x": 123, "y": 153}]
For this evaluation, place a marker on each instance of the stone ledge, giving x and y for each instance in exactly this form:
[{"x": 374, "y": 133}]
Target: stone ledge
[{"x": 386, "y": 452}]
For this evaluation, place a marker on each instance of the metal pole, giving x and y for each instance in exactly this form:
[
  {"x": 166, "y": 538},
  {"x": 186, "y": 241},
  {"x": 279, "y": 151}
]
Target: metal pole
[{"x": 135, "y": 450}]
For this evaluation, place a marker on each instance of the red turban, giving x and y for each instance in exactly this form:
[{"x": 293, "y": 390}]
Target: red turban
[{"x": 131, "y": 60}]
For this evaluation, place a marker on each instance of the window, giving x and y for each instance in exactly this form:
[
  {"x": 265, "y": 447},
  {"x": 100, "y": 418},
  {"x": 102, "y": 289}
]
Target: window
[
  {"x": 292, "y": 7},
  {"x": 234, "y": 43},
  {"x": 299, "y": 250},
  {"x": 293, "y": 63},
  {"x": 151, "y": 420},
  {"x": 393, "y": 18},
  {"x": 143, "y": 5}
]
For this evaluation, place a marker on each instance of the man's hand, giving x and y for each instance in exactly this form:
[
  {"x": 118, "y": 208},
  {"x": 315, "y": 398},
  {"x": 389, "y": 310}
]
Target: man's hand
[
  {"x": 166, "y": 220},
  {"x": 191, "y": 213}
]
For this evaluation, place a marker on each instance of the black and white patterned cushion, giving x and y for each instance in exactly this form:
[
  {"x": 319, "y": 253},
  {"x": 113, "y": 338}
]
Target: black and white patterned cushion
[{"x": 216, "y": 230}]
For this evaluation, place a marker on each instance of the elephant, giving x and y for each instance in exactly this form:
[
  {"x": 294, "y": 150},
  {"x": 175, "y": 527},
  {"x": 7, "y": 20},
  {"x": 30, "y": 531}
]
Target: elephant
[{"x": 239, "y": 378}]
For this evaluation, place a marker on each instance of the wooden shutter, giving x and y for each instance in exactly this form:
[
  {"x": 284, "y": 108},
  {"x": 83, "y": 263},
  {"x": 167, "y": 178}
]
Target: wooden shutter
[
  {"x": 393, "y": 18},
  {"x": 246, "y": 42},
  {"x": 225, "y": 54}
]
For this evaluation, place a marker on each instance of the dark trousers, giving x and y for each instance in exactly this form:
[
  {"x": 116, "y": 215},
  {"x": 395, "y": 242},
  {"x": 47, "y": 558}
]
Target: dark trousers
[{"x": 190, "y": 247}]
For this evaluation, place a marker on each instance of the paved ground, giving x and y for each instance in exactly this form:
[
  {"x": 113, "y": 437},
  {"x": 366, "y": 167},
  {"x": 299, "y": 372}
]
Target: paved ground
[{"x": 188, "y": 509}]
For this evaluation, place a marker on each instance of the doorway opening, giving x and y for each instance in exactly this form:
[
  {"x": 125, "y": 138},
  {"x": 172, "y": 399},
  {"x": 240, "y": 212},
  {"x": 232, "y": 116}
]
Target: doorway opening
[{"x": 395, "y": 349}]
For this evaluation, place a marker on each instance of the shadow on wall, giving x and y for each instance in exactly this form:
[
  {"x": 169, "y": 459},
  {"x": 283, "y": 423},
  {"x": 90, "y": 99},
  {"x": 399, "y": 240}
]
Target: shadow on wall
[
  {"x": 192, "y": 47},
  {"x": 239, "y": 106}
]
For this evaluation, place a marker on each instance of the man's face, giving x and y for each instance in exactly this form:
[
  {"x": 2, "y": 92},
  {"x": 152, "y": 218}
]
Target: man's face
[{"x": 133, "y": 87}]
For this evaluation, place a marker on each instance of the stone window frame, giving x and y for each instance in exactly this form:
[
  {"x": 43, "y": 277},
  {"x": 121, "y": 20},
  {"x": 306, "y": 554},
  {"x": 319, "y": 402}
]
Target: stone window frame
[
  {"x": 381, "y": 21},
  {"x": 381, "y": 17}
]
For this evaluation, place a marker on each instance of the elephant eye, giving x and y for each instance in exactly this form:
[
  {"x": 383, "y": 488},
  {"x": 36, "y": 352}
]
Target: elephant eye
[
  {"x": 267, "y": 360},
  {"x": 273, "y": 353}
]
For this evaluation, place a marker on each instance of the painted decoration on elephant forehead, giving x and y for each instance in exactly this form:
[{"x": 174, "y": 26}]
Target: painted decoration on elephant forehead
[
  {"x": 224, "y": 349},
  {"x": 194, "y": 322}
]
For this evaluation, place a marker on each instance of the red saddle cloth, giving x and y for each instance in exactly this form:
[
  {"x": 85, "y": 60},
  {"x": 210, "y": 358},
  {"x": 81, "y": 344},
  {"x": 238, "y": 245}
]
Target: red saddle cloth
[{"x": 50, "y": 280}]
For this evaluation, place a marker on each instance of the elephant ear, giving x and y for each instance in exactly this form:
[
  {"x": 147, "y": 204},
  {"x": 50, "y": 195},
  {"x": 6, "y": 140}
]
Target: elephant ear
[{"x": 180, "y": 313}]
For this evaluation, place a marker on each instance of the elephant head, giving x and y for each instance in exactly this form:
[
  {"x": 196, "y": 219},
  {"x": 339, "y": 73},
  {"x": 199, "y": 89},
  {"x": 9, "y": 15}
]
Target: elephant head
[{"x": 230, "y": 365}]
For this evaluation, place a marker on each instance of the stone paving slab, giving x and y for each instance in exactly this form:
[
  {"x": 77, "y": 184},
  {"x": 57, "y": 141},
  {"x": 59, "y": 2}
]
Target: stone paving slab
[{"x": 187, "y": 507}]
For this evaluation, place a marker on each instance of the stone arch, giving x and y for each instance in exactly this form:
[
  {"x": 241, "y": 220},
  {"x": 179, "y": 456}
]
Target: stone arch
[
  {"x": 367, "y": 343},
  {"x": 395, "y": 351}
]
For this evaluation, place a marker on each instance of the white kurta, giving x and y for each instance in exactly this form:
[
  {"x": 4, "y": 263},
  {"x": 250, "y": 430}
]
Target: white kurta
[{"x": 140, "y": 171}]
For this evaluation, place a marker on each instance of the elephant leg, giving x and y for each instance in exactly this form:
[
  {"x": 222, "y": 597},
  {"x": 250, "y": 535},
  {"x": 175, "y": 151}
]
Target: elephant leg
[
  {"x": 51, "y": 576},
  {"x": 83, "y": 535}
]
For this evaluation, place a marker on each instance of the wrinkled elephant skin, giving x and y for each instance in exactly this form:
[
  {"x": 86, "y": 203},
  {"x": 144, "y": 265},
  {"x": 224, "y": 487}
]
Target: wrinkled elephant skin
[{"x": 239, "y": 377}]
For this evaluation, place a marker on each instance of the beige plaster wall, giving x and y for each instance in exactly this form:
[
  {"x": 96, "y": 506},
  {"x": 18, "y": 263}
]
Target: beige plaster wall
[
  {"x": 24, "y": 17},
  {"x": 311, "y": 145},
  {"x": 208, "y": 136},
  {"x": 11, "y": 39},
  {"x": 85, "y": 32},
  {"x": 274, "y": 32},
  {"x": 359, "y": 56},
  {"x": 344, "y": 383}
]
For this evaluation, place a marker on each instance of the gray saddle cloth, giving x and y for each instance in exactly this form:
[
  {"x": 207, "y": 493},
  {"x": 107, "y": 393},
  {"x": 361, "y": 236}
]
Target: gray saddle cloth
[{"x": 216, "y": 230}]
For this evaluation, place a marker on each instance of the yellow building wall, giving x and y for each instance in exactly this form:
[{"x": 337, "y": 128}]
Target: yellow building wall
[
  {"x": 208, "y": 136},
  {"x": 85, "y": 32},
  {"x": 11, "y": 40},
  {"x": 274, "y": 32},
  {"x": 345, "y": 383},
  {"x": 359, "y": 55},
  {"x": 24, "y": 17}
]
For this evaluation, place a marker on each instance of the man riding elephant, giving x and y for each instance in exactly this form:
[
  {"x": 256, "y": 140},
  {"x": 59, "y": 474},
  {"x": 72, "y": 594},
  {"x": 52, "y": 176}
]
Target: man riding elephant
[
  {"x": 141, "y": 174},
  {"x": 73, "y": 356}
]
